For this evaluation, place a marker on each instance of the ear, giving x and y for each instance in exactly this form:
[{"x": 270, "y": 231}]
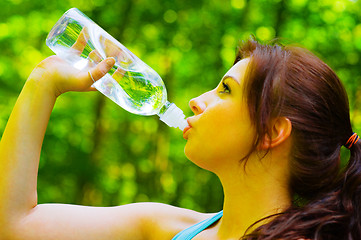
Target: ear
[{"x": 281, "y": 128}]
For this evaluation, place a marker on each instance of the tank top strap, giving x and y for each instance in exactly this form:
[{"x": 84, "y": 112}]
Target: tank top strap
[{"x": 191, "y": 232}]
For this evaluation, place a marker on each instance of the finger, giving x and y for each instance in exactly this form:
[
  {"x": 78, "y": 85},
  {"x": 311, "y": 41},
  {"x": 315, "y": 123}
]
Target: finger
[
  {"x": 95, "y": 56},
  {"x": 91, "y": 88},
  {"x": 81, "y": 42},
  {"x": 118, "y": 74},
  {"x": 112, "y": 49},
  {"x": 101, "y": 69}
]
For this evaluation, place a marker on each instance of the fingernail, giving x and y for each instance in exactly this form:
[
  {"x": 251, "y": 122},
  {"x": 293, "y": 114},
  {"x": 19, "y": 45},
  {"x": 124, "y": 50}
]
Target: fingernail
[{"x": 110, "y": 61}]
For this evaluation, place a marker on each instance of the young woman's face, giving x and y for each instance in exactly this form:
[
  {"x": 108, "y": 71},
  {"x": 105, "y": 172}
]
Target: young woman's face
[{"x": 220, "y": 131}]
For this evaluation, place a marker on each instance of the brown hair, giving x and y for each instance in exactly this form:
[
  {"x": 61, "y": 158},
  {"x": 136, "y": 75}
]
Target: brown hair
[{"x": 292, "y": 82}]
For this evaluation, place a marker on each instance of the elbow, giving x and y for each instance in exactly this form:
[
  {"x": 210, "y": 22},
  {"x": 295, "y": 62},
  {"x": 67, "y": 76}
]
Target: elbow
[
  {"x": 5, "y": 234},
  {"x": 9, "y": 230},
  {"x": 14, "y": 225}
]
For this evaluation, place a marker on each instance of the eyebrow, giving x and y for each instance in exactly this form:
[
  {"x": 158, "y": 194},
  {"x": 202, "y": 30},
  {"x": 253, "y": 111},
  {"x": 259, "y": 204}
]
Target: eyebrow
[{"x": 229, "y": 76}]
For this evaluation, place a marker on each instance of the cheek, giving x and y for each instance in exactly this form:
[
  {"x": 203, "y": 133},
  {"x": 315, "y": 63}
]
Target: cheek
[{"x": 219, "y": 138}]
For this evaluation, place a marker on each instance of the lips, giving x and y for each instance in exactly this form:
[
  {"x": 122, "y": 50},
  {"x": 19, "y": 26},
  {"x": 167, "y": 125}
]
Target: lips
[{"x": 186, "y": 130}]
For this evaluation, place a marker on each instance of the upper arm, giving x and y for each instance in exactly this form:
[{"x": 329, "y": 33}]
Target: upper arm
[
  {"x": 137, "y": 221},
  {"x": 68, "y": 222}
]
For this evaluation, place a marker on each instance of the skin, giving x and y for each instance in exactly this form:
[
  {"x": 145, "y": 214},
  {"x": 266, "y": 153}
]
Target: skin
[{"x": 220, "y": 134}]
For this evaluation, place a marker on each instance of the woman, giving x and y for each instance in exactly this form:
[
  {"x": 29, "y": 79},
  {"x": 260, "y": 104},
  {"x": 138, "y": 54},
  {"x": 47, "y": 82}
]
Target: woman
[{"x": 272, "y": 131}]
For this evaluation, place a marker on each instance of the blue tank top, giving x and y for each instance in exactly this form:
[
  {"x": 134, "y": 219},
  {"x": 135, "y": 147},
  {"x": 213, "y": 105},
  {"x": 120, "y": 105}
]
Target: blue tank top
[{"x": 191, "y": 232}]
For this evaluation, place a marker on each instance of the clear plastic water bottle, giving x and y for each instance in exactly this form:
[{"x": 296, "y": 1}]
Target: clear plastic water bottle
[{"x": 131, "y": 83}]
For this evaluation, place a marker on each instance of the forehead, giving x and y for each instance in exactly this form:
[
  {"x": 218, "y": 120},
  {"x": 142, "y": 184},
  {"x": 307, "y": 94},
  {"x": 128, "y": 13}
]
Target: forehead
[{"x": 238, "y": 70}]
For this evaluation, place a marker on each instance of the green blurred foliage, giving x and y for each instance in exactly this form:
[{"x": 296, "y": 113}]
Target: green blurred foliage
[{"x": 95, "y": 152}]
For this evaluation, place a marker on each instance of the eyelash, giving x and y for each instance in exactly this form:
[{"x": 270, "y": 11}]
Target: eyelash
[{"x": 226, "y": 88}]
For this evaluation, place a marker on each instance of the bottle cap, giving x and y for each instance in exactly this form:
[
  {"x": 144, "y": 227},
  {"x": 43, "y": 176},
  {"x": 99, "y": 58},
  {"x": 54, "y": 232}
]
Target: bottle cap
[{"x": 173, "y": 116}]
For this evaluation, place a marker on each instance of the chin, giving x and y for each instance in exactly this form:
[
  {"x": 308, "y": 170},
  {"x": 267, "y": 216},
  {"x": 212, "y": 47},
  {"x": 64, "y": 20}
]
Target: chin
[{"x": 200, "y": 159}]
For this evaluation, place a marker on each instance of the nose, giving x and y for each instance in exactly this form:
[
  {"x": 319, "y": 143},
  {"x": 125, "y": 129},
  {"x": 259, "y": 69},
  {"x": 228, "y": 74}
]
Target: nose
[{"x": 197, "y": 105}]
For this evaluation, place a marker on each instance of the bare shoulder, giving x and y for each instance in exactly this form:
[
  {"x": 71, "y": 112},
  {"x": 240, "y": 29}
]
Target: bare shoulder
[{"x": 162, "y": 221}]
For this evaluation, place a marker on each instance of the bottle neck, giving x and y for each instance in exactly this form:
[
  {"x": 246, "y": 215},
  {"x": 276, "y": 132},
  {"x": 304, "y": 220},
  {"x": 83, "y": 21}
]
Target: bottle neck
[{"x": 172, "y": 116}]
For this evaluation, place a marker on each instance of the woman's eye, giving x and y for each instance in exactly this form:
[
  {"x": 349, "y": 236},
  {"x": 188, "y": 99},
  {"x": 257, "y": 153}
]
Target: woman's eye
[{"x": 225, "y": 88}]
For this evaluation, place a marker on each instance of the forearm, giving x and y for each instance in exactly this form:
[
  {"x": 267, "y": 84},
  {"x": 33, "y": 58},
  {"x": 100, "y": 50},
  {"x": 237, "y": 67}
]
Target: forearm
[{"x": 20, "y": 148}]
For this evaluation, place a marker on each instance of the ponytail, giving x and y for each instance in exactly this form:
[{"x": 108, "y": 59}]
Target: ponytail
[
  {"x": 351, "y": 191},
  {"x": 336, "y": 215}
]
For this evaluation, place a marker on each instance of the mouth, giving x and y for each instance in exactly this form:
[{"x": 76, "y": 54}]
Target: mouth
[{"x": 186, "y": 130}]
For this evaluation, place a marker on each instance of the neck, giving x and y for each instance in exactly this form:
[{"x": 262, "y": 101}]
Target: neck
[{"x": 250, "y": 197}]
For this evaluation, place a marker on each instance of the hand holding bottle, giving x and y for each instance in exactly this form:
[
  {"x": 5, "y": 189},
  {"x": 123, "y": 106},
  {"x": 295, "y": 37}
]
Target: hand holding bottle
[{"x": 60, "y": 77}]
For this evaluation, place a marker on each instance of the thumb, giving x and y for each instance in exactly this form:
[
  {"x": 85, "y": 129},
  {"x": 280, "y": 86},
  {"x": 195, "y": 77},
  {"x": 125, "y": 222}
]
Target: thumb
[{"x": 101, "y": 69}]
